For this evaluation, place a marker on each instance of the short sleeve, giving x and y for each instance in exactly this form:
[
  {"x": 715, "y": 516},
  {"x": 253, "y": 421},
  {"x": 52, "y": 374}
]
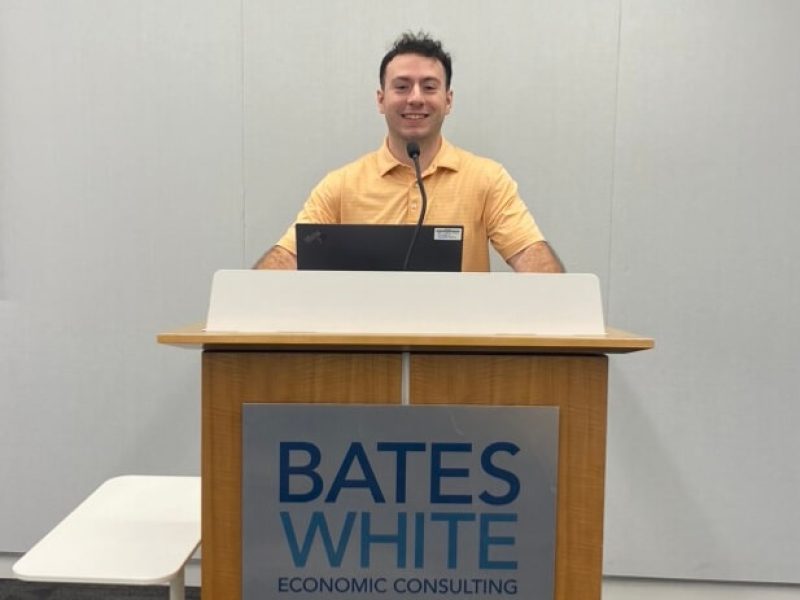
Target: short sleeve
[
  {"x": 510, "y": 225},
  {"x": 322, "y": 206}
]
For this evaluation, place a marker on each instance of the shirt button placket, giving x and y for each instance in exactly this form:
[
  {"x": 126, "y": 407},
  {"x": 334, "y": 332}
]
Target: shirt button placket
[{"x": 413, "y": 202}]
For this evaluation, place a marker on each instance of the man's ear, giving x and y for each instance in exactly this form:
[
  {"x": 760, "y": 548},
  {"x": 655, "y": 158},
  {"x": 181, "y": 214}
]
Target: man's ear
[
  {"x": 449, "y": 102},
  {"x": 379, "y": 98}
]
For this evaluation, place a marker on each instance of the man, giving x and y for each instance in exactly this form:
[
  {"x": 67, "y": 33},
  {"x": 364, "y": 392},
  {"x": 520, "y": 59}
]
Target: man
[{"x": 463, "y": 189}]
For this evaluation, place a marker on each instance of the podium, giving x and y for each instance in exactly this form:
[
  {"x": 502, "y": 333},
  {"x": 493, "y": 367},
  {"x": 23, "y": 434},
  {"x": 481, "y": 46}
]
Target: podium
[{"x": 566, "y": 371}]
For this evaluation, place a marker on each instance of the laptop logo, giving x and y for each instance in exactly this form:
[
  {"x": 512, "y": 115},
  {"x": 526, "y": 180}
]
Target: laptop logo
[{"x": 315, "y": 237}]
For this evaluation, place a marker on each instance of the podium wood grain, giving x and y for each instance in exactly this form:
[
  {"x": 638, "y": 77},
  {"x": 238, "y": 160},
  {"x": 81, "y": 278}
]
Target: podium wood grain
[
  {"x": 231, "y": 379},
  {"x": 577, "y": 386}
]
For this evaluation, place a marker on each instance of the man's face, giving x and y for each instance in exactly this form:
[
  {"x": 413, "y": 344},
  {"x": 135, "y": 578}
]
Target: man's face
[{"x": 414, "y": 98}]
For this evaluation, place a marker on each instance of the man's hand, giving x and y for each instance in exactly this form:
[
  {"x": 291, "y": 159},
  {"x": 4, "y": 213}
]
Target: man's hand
[
  {"x": 277, "y": 257},
  {"x": 536, "y": 258}
]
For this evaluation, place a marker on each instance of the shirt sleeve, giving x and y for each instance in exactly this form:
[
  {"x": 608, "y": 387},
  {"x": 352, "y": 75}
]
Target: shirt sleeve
[
  {"x": 510, "y": 225},
  {"x": 322, "y": 206}
]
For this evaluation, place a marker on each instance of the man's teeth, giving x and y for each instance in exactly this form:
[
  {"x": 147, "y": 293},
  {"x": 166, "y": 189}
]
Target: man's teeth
[{"x": 414, "y": 116}]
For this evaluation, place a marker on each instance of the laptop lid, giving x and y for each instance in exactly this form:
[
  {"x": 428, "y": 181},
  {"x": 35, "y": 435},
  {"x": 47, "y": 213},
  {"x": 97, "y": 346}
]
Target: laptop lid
[{"x": 337, "y": 247}]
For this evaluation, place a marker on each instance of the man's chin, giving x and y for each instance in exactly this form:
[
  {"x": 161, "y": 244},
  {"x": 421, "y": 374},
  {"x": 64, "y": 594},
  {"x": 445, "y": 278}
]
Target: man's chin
[{"x": 416, "y": 136}]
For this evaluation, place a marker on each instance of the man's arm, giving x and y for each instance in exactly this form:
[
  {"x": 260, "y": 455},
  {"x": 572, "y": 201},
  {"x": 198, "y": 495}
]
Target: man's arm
[
  {"x": 277, "y": 257},
  {"x": 536, "y": 258}
]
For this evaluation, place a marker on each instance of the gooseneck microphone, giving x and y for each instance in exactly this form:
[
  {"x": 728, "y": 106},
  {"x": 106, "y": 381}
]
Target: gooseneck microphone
[{"x": 413, "y": 151}]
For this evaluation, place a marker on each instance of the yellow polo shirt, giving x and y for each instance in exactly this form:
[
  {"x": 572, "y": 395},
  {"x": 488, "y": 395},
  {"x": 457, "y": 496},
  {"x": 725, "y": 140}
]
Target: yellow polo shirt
[{"x": 463, "y": 189}]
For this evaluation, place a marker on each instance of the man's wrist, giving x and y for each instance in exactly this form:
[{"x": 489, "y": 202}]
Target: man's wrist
[{"x": 277, "y": 257}]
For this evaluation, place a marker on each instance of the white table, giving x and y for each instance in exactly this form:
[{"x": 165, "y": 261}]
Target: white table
[{"x": 138, "y": 530}]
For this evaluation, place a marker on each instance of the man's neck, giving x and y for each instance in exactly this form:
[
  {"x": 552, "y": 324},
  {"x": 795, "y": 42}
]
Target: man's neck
[{"x": 427, "y": 149}]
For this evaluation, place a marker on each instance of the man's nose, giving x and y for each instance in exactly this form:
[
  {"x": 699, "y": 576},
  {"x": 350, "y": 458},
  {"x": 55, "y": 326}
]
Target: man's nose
[{"x": 415, "y": 95}]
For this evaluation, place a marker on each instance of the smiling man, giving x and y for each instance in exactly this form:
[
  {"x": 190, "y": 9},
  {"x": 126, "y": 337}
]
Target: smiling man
[{"x": 463, "y": 189}]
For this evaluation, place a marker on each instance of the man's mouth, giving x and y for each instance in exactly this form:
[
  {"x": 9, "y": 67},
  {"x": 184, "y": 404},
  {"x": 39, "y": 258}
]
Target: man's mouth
[{"x": 414, "y": 116}]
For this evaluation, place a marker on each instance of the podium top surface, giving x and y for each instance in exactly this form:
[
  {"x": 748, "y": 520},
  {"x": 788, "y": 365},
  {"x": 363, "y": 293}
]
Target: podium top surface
[{"x": 614, "y": 341}]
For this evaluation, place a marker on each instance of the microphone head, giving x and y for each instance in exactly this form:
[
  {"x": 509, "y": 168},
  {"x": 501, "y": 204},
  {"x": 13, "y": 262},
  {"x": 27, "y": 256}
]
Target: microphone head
[{"x": 412, "y": 149}]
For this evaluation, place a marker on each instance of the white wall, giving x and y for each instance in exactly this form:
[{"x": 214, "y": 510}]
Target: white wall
[
  {"x": 120, "y": 162},
  {"x": 145, "y": 144},
  {"x": 703, "y": 477}
]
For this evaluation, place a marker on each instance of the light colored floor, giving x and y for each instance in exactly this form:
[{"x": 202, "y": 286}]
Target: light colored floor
[
  {"x": 651, "y": 589},
  {"x": 613, "y": 588}
]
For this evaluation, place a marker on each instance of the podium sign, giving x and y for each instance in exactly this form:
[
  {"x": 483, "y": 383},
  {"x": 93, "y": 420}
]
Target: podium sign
[{"x": 387, "y": 501}]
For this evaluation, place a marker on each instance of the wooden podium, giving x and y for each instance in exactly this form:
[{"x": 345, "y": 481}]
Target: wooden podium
[{"x": 569, "y": 372}]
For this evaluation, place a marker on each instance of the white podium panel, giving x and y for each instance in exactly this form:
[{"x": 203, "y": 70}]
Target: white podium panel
[{"x": 370, "y": 302}]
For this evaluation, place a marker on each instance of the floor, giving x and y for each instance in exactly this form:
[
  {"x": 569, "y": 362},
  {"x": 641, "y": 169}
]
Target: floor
[
  {"x": 613, "y": 589},
  {"x": 11, "y": 589}
]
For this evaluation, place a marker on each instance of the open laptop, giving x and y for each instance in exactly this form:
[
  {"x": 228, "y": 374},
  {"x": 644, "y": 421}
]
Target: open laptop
[{"x": 378, "y": 247}]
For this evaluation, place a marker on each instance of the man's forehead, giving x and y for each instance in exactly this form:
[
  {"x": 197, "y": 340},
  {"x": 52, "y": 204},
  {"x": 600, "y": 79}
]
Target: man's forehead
[{"x": 411, "y": 65}]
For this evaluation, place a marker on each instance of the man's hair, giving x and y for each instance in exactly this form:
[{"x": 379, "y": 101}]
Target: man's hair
[{"x": 421, "y": 44}]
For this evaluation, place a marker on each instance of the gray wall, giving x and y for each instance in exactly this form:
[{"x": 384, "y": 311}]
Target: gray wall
[{"x": 144, "y": 144}]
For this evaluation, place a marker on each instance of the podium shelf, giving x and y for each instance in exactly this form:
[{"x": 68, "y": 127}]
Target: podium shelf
[{"x": 615, "y": 341}]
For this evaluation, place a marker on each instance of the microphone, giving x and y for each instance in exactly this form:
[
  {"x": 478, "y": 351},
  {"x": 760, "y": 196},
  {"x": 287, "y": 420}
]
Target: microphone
[{"x": 413, "y": 151}]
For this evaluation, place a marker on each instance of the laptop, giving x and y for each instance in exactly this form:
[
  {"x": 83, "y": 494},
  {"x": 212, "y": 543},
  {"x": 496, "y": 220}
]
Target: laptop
[{"x": 336, "y": 247}]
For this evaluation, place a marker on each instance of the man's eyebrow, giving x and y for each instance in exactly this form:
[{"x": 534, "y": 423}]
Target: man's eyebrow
[{"x": 404, "y": 78}]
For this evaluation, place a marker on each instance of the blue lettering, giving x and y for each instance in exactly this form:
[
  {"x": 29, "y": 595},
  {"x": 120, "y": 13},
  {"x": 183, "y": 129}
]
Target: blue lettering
[
  {"x": 452, "y": 519},
  {"x": 355, "y": 454},
  {"x": 419, "y": 540},
  {"x": 318, "y": 523},
  {"x": 438, "y": 472},
  {"x": 487, "y": 540},
  {"x": 491, "y": 469},
  {"x": 368, "y": 538},
  {"x": 401, "y": 449},
  {"x": 307, "y": 470}
]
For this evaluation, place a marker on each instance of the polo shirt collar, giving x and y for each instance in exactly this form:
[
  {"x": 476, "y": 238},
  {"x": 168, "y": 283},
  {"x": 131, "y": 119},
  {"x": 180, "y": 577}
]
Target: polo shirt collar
[{"x": 446, "y": 158}]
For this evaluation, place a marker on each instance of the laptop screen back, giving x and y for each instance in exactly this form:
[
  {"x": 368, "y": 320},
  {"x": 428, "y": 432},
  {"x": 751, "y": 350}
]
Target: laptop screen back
[{"x": 333, "y": 247}]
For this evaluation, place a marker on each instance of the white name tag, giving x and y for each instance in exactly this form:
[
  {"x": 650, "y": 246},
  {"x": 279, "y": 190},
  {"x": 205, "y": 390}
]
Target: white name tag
[{"x": 447, "y": 234}]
